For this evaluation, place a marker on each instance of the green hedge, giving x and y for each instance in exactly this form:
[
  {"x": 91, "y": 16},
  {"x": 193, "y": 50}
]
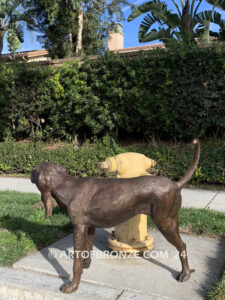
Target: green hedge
[
  {"x": 172, "y": 160},
  {"x": 44, "y": 102},
  {"x": 171, "y": 95}
]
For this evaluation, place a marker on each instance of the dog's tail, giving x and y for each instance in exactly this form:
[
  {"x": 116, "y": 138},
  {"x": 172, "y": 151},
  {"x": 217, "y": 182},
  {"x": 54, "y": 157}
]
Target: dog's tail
[{"x": 187, "y": 176}]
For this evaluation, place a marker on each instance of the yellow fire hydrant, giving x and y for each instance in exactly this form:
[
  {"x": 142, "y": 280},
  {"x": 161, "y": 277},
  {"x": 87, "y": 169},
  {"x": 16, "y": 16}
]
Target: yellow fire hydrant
[{"x": 130, "y": 236}]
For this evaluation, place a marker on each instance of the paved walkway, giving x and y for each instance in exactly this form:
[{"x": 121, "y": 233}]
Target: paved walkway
[
  {"x": 112, "y": 277},
  {"x": 214, "y": 200}
]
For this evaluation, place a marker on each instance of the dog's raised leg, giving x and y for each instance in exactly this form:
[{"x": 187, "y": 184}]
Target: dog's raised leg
[
  {"x": 80, "y": 235},
  {"x": 170, "y": 229},
  {"x": 89, "y": 246}
]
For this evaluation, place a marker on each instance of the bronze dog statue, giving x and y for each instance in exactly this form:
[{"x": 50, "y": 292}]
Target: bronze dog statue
[{"x": 106, "y": 202}]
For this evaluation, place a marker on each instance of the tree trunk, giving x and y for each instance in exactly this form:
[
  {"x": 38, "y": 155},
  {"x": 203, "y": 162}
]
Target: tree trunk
[
  {"x": 71, "y": 39},
  {"x": 2, "y": 33},
  {"x": 79, "y": 45}
]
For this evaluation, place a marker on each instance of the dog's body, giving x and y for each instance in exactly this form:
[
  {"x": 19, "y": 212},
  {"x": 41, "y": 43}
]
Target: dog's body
[{"x": 104, "y": 202}]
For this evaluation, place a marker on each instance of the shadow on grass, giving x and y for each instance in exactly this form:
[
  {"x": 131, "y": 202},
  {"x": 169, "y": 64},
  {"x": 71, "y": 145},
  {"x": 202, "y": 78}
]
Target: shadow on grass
[
  {"x": 216, "y": 266},
  {"x": 42, "y": 235}
]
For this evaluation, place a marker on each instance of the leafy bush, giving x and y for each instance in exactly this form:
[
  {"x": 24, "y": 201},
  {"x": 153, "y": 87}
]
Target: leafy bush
[
  {"x": 45, "y": 103},
  {"x": 169, "y": 94},
  {"x": 172, "y": 160},
  {"x": 23, "y": 157},
  {"x": 173, "y": 95}
]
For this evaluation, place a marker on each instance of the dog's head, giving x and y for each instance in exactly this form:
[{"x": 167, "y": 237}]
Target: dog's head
[{"x": 47, "y": 176}]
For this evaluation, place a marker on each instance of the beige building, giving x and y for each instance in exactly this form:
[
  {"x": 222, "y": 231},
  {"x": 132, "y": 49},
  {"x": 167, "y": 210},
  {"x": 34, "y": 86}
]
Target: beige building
[
  {"x": 27, "y": 56},
  {"x": 115, "y": 44}
]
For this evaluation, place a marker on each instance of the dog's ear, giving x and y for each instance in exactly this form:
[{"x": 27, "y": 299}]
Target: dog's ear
[
  {"x": 61, "y": 169},
  {"x": 44, "y": 181}
]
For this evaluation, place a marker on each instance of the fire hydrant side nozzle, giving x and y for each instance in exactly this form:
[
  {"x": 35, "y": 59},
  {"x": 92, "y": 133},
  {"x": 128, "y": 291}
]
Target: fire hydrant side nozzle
[
  {"x": 149, "y": 163},
  {"x": 110, "y": 164}
]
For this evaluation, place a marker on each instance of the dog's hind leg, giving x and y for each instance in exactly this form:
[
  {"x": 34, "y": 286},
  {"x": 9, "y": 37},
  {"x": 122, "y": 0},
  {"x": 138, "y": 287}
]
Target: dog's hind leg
[
  {"x": 89, "y": 246},
  {"x": 170, "y": 229},
  {"x": 80, "y": 236}
]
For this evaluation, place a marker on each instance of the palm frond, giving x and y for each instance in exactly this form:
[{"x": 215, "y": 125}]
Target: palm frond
[
  {"x": 19, "y": 33},
  {"x": 29, "y": 20},
  {"x": 159, "y": 9},
  {"x": 162, "y": 34},
  {"x": 208, "y": 15},
  {"x": 141, "y": 9},
  {"x": 204, "y": 19},
  {"x": 220, "y": 4},
  {"x": 146, "y": 24}
]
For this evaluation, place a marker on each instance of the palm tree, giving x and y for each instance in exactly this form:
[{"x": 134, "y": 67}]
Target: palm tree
[
  {"x": 10, "y": 14},
  {"x": 220, "y": 5},
  {"x": 183, "y": 26}
]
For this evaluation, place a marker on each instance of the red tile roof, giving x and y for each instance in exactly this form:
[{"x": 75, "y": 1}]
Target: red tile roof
[
  {"x": 27, "y": 54},
  {"x": 140, "y": 48}
]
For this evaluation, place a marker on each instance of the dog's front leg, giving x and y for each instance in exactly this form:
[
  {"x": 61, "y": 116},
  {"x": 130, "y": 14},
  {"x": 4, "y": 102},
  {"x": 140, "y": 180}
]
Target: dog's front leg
[
  {"x": 89, "y": 246},
  {"x": 48, "y": 204},
  {"x": 80, "y": 235}
]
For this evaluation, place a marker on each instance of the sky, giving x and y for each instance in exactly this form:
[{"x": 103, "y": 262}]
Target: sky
[{"x": 130, "y": 29}]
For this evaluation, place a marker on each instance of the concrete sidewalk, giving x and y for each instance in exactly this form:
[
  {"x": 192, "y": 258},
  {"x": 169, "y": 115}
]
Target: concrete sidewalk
[
  {"x": 214, "y": 200},
  {"x": 151, "y": 277}
]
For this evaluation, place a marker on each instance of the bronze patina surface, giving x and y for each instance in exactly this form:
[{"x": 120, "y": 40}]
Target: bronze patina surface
[{"x": 107, "y": 202}]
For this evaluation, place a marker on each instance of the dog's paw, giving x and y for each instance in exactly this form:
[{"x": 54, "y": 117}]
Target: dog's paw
[
  {"x": 69, "y": 288},
  {"x": 183, "y": 276}
]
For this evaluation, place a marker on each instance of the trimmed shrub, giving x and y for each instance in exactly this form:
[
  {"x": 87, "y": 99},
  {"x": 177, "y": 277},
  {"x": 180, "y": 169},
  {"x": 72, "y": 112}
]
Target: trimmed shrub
[
  {"x": 172, "y": 160},
  {"x": 45, "y": 103},
  {"x": 168, "y": 94},
  {"x": 172, "y": 95}
]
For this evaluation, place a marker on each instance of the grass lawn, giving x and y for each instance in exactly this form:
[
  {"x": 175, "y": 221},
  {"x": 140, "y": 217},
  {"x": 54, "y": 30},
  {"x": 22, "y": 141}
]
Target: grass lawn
[
  {"x": 200, "y": 222},
  {"x": 23, "y": 229},
  {"x": 218, "y": 292}
]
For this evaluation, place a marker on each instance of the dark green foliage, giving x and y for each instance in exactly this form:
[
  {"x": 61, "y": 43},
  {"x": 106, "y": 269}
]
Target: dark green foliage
[
  {"x": 171, "y": 95},
  {"x": 23, "y": 157},
  {"x": 172, "y": 160},
  {"x": 57, "y": 21},
  {"x": 44, "y": 103}
]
